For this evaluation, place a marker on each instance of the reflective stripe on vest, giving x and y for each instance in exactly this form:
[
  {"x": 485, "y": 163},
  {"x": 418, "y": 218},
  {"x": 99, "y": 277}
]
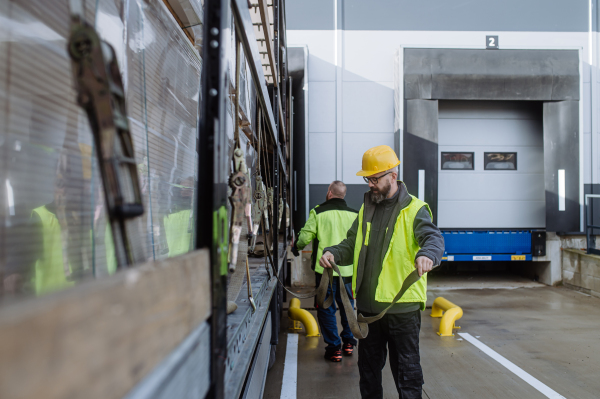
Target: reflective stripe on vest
[{"x": 399, "y": 259}]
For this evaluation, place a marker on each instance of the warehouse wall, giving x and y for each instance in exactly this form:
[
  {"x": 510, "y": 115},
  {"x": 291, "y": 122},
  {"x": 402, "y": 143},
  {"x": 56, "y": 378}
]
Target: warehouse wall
[{"x": 351, "y": 68}]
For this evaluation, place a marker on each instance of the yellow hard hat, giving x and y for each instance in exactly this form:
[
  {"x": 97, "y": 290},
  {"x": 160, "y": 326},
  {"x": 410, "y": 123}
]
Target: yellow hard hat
[{"x": 378, "y": 159}]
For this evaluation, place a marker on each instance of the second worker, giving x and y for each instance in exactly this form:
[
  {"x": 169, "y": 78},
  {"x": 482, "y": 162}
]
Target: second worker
[{"x": 327, "y": 225}]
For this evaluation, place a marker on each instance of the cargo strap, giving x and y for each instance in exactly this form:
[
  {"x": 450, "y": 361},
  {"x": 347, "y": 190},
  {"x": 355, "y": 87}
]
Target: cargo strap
[
  {"x": 101, "y": 94},
  {"x": 359, "y": 325},
  {"x": 240, "y": 196}
]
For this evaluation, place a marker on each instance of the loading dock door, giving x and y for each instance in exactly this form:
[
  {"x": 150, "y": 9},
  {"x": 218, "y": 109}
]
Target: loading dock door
[{"x": 496, "y": 193}]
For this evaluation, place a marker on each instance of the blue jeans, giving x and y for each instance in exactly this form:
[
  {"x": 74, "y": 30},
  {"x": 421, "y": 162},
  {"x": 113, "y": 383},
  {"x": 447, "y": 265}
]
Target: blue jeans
[{"x": 327, "y": 320}]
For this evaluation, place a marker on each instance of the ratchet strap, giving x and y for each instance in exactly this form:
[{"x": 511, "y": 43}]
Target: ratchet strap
[{"x": 101, "y": 94}]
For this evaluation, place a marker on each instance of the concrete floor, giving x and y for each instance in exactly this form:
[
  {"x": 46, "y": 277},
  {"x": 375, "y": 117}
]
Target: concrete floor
[{"x": 551, "y": 333}]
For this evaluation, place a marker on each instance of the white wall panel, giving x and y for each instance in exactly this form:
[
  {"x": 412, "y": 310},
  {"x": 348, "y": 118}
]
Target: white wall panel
[
  {"x": 321, "y": 107},
  {"x": 366, "y": 59},
  {"x": 354, "y": 146},
  {"x": 321, "y": 52},
  {"x": 321, "y": 158},
  {"x": 368, "y": 107}
]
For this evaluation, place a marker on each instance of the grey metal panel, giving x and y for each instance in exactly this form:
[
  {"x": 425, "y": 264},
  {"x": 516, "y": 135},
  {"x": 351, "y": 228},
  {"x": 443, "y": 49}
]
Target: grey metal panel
[
  {"x": 561, "y": 151},
  {"x": 479, "y": 15},
  {"x": 492, "y": 186},
  {"x": 495, "y": 199},
  {"x": 296, "y": 68},
  {"x": 309, "y": 15},
  {"x": 245, "y": 328},
  {"x": 490, "y": 214},
  {"x": 466, "y": 74},
  {"x": 420, "y": 149},
  {"x": 530, "y": 159},
  {"x": 528, "y": 110},
  {"x": 354, "y": 195},
  {"x": 423, "y": 119},
  {"x": 256, "y": 379},
  {"x": 185, "y": 373},
  {"x": 495, "y": 132},
  {"x": 317, "y": 193}
]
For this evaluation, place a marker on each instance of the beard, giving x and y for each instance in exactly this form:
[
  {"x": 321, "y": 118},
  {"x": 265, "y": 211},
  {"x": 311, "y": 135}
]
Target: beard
[{"x": 379, "y": 195}]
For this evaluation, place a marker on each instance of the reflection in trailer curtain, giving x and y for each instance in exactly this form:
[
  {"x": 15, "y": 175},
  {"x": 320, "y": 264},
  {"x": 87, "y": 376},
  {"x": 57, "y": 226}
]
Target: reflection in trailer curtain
[{"x": 52, "y": 205}]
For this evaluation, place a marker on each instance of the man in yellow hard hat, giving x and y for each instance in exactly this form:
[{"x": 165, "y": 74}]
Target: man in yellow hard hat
[{"x": 392, "y": 236}]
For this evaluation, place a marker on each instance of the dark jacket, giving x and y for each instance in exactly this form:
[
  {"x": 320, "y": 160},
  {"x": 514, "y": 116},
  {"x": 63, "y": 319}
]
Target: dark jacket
[{"x": 384, "y": 217}]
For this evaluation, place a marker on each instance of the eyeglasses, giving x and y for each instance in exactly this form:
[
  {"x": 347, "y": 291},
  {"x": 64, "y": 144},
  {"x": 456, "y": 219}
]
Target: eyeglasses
[{"x": 375, "y": 180}]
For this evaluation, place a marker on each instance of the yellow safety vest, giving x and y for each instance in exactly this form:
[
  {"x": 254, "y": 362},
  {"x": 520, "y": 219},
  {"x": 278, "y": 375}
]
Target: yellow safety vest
[
  {"x": 328, "y": 228},
  {"x": 49, "y": 269},
  {"x": 176, "y": 230},
  {"x": 399, "y": 259}
]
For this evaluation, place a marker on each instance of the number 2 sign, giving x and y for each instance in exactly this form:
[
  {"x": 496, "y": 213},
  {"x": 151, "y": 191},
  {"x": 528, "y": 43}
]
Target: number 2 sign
[{"x": 491, "y": 42}]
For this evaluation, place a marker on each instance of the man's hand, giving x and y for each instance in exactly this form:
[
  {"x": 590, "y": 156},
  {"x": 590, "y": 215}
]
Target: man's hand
[
  {"x": 326, "y": 260},
  {"x": 423, "y": 264},
  {"x": 295, "y": 251}
]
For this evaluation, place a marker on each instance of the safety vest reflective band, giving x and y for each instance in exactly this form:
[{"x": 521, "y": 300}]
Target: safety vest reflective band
[
  {"x": 49, "y": 269},
  {"x": 399, "y": 259},
  {"x": 176, "y": 230}
]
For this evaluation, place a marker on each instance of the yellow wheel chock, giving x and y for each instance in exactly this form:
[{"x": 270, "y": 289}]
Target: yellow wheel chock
[
  {"x": 450, "y": 312},
  {"x": 304, "y": 317}
]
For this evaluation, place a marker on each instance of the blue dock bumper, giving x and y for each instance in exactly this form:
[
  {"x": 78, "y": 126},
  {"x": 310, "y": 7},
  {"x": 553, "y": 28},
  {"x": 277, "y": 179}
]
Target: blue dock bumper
[{"x": 487, "y": 245}]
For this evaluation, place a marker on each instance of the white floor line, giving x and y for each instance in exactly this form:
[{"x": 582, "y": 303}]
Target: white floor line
[
  {"x": 519, "y": 372},
  {"x": 290, "y": 368}
]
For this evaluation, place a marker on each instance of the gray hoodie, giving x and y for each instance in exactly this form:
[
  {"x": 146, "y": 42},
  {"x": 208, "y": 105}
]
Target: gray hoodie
[{"x": 384, "y": 218}]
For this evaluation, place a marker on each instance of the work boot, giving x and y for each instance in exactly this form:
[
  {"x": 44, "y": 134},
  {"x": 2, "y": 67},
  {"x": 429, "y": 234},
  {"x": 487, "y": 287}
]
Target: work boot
[
  {"x": 334, "y": 355},
  {"x": 348, "y": 349}
]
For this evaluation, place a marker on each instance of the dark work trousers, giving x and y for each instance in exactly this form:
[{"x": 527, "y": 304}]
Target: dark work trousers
[
  {"x": 400, "y": 333},
  {"x": 327, "y": 320}
]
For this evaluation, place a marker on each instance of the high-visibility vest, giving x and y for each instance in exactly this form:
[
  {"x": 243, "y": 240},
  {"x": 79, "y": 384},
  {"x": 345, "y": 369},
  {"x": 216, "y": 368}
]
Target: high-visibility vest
[
  {"x": 176, "y": 230},
  {"x": 49, "y": 269},
  {"x": 327, "y": 225},
  {"x": 399, "y": 259}
]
